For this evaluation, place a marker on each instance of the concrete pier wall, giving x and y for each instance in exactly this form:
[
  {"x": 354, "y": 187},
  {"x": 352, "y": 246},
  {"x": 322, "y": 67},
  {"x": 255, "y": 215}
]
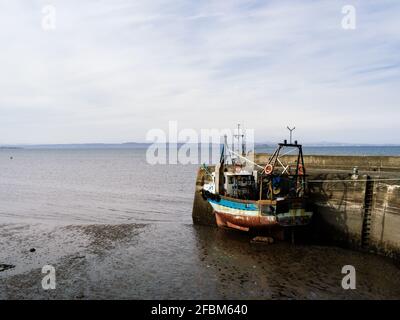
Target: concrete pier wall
[
  {"x": 385, "y": 220},
  {"x": 368, "y": 163},
  {"x": 202, "y": 211},
  {"x": 338, "y": 208},
  {"x": 361, "y": 213}
]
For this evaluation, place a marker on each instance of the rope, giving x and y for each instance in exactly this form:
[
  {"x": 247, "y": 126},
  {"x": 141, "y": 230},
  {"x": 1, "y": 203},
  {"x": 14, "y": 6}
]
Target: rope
[
  {"x": 364, "y": 180},
  {"x": 244, "y": 158}
]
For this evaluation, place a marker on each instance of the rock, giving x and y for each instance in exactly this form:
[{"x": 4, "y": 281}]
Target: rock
[
  {"x": 266, "y": 240},
  {"x": 4, "y": 267},
  {"x": 78, "y": 257},
  {"x": 32, "y": 250}
]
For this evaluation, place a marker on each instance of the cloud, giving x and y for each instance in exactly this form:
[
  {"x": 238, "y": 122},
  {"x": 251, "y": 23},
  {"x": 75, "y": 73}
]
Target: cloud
[{"x": 112, "y": 70}]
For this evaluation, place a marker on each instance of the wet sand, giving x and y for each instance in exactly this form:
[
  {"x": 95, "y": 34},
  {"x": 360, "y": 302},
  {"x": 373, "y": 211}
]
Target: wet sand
[{"x": 170, "y": 261}]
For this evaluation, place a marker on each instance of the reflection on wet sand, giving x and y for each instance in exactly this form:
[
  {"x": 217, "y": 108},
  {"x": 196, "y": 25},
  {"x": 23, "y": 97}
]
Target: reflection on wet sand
[{"x": 284, "y": 271}]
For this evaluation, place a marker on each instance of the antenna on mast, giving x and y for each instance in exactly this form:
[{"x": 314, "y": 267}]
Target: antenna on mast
[
  {"x": 239, "y": 135},
  {"x": 291, "y": 131},
  {"x": 244, "y": 142}
]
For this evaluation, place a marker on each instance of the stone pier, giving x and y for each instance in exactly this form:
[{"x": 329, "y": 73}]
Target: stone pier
[{"x": 357, "y": 211}]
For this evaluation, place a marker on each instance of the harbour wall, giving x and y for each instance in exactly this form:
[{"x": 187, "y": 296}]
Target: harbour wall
[{"x": 360, "y": 211}]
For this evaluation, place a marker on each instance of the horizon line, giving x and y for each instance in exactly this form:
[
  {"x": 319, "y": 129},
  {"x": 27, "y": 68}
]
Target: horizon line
[{"x": 321, "y": 144}]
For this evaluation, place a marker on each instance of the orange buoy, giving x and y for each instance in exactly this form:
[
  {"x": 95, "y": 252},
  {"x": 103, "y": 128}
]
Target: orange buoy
[{"x": 268, "y": 169}]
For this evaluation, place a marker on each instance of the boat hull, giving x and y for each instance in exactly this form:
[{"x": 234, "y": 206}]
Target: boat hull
[{"x": 246, "y": 215}]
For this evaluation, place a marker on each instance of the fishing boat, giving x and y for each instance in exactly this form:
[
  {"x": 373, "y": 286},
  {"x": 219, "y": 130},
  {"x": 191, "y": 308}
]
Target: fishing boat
[{"x": 245, "y": 195}]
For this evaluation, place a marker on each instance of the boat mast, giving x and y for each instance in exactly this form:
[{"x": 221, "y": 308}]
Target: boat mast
[{"x": 241, "y": 150}]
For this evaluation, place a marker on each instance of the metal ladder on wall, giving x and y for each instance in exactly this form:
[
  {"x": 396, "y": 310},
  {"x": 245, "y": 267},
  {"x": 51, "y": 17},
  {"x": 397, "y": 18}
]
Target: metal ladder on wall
[{"x": 368, "y": 201}]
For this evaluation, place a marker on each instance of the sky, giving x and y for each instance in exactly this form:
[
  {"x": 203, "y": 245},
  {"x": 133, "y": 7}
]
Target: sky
[{"x": 110, "y": 71}]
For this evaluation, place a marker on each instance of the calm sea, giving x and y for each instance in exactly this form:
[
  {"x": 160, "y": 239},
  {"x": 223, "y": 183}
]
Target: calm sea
[{"x": 117, "y": 227}]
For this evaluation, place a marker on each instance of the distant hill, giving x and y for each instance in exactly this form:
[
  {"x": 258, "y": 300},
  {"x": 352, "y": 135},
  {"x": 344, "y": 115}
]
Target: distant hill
[
  {"x": 10, "y": 147},
  {"x": 128, "y": 145},
  {"x": 143, "y": 145}
]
